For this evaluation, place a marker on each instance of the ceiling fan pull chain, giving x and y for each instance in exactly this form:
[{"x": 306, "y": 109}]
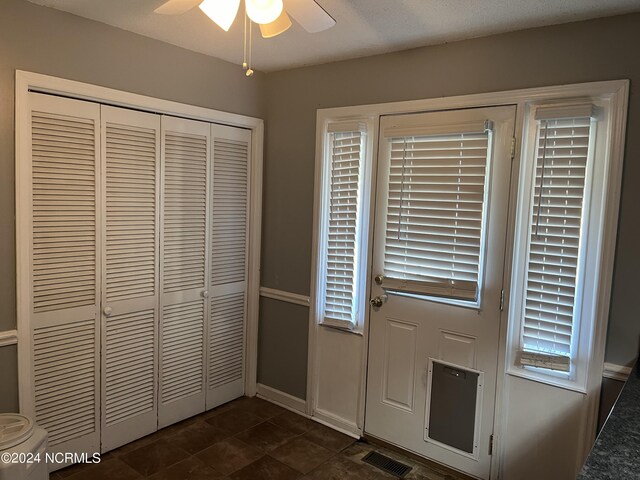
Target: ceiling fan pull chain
[
  {"x": 244, "y": 56},
  {"x": 249, "y": 71}
]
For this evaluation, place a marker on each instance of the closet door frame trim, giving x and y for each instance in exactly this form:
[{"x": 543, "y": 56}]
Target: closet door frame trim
[{"x": 33, "y": 82}]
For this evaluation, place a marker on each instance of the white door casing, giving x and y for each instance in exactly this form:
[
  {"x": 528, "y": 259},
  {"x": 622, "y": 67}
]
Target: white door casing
[
  {"x": 411, "y": 335},
  {"x": 130, "y": 179}
]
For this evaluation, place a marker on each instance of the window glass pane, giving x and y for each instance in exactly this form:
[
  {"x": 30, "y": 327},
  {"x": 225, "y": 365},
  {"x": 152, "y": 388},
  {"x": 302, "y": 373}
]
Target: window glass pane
[
  {"x": 554, "y": 241},
  {"x": 342, "y": 226},
  {"x": 435, "y": 213}
]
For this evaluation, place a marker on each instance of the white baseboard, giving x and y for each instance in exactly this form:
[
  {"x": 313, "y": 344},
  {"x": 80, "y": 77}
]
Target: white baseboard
[
  {"x": 282, "y": 399},
  {"x": 337, "y": 423},
  {"x": 616, "y": 372},
  {"x": 299, "y": 406},
  {"x": 8, "y": 337}
]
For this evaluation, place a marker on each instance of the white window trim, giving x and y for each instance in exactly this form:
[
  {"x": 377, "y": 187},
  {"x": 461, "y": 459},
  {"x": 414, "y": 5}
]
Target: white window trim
[
  {"x": 28, "y": 81},
  {"x": 590, "y": 253}
]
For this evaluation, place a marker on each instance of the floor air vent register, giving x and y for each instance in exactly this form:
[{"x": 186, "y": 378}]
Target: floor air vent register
[{"x": 387, "y": 464}]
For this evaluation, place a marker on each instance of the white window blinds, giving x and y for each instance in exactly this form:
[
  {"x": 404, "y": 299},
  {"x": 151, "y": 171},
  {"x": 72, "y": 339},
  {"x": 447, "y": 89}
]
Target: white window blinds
[
  {"x": 435, "y": 212},
  {"x": 553, "y": 251},
  {"x": 342, "y": 225}
]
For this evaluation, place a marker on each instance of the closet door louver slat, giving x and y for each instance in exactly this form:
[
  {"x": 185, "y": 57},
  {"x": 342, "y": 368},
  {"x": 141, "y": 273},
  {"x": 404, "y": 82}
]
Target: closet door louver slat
[
  {"x": 184, "y": 268},
  {"x": 65, "y": 401},
  {"x": 63, "y": 231},
  {"x": 130, "y": 179},
  {"x": 182, "y": 350},
  {"x": 228, "y": 272},
  {"x": 64, "y": 272},
  {"x": 226, "y": 344}
]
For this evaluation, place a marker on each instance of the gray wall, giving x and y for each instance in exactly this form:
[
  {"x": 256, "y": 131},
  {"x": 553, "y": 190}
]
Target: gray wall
[
  {"x": 608, "y": 396},
  {"x": 8, "y": 379},
  {"x": 55, "y": 43},
  {"x": 51, "y": 42},
  {"x": 604, "y": 49},
  {"x": 283, "y": 330}
]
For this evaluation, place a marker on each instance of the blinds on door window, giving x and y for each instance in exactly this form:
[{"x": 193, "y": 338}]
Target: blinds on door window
[
  {"x": 553, "y": 251},
  {"x": 435, "y": 210},
  {"x": 343, "y": 183}
]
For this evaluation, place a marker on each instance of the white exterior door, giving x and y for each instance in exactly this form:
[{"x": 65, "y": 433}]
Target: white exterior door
[{"x": 439, "y": 241}]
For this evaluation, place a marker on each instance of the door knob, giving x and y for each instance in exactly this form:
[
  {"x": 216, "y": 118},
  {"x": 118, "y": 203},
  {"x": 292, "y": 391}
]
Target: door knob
[
  {"x": 204, "y": 294},
  {"x": 107, "y": 311},
  {"x": 378, "y": 279},
  {"x": 377, "y": 302}
]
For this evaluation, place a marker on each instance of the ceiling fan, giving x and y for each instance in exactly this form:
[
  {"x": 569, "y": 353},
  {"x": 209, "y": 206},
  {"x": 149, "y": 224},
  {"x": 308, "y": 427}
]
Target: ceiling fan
[{"x": 269, "y": 14}]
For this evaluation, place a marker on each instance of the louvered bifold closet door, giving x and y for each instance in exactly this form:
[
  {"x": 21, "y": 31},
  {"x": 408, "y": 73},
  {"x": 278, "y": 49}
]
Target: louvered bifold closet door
[
  {"x": 228, "y": 272},
  {"x": 183, "y": 268},
  {"x": 130, "y": 285},
  {"x": 63, "y": 274}
]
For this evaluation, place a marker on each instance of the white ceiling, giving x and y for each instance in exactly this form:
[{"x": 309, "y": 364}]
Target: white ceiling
[{"x": 364, "y": 27}]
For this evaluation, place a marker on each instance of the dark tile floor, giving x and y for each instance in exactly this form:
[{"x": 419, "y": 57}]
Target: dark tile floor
[{"x": 247, "y": 439}]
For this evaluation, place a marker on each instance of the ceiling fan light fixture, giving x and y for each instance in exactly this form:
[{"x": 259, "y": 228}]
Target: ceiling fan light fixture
[
  {"x": 222, "y": 12},
  {"x": 263, "y": 11},
  {"x": 280, "y": 25}
]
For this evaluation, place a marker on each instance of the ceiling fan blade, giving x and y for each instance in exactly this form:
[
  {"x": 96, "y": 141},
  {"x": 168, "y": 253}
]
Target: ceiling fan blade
[
  {"x": 176, "y": 7},
  {"x": 223, "y": 14},
  {"x": 310, "y": 15},
  {"x": 278, "y": 26}
]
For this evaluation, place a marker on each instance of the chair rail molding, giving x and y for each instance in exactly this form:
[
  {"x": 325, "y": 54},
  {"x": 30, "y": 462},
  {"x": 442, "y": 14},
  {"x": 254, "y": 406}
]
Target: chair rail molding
[
  {"x": 283, "y": 296},
  {"x": 8, "y": 337}
]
